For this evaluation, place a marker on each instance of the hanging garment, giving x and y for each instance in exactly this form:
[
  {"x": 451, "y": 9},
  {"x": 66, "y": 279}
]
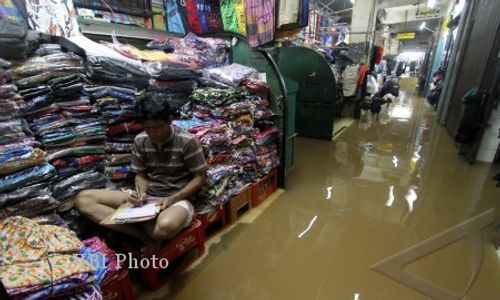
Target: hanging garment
[
  {"x": 350, "y": 75},
  {"x": 54, "y": 17},
  {"x": 260, "y": 22},
  {"x": 240, "y": 6},
  {"x": 363, "y": 71},
  {"x": 304, "y": 18},
  {"x": 173, "y": 16},
  {"x": 229, "y": 15},
  {"x": 192, "y": 15},
  {"x": 203, "y": 9},
  {"x": 214, "y": 16},
  {"x": 288, "y": 12}
]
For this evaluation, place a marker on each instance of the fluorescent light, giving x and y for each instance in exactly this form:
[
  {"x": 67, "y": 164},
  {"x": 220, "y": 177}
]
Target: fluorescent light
[
  {"x": 422, "y": 26},
  {"x": 431, "y": 3},
  {"x": 352, "y": 1}
]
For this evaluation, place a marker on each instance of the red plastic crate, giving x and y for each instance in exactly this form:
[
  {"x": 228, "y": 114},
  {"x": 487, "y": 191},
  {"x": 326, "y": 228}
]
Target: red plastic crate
[
  {"x": 119, "y": 288},
  {"x": 180, "y": 252},
  {"x": 239, "y": 205},
  {"x": 213, "y": 221},
  {"x": 264, "y": 187}
]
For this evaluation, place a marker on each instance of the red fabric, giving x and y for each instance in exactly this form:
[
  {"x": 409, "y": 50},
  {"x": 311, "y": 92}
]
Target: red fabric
[
  {"x": 77, "y": 162},
  {"x": 124, "y": 128},
  {"x": 192, "y": 16},
  {"x": 363, "y": 71},
  {"x": 379, "y": 53}
]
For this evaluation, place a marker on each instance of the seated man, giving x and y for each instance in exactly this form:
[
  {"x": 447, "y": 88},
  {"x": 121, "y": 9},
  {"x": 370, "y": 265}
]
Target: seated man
[{"x": 168, "y": 163}]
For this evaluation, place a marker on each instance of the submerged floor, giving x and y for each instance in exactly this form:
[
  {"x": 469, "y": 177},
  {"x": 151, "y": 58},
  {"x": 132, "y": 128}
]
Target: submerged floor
[{"x": 381, "y": 187}]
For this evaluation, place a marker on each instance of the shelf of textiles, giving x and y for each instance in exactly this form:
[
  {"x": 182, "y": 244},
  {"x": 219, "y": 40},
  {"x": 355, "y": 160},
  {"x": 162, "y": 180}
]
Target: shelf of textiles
[
  {"x": 61, "y": 150},
  {"x": 47, "y": 261},
  {"x": 235, "y": 129}
]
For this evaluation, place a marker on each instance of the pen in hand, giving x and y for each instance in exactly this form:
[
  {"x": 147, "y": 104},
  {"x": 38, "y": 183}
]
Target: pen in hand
[{"x": 140, "y": 198}]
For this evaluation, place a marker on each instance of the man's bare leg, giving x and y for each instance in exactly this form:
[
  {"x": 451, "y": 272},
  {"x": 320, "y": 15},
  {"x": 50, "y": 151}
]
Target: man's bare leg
[
  {"x": 167, "y": 225},
  {"x": 97, "y": 205}
]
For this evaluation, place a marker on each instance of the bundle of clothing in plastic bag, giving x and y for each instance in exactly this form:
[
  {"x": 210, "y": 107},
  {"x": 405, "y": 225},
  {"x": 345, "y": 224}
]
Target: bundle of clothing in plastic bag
[
  {"x": 24, "y": 172},
  {"x": 62, "y": 118},
  {"x": 227, "y": 119},
  {"x": 193, "y": 50},
  {"x": 115, "y": 104},
  {"x": 47, "y": 261}
]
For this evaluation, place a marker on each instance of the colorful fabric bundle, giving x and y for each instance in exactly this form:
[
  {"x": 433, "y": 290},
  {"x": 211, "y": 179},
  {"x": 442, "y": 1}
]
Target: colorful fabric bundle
[{"x": 40, "y": 261}]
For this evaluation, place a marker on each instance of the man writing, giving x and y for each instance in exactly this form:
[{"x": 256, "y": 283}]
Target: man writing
[{"x": 168, "y": 163}]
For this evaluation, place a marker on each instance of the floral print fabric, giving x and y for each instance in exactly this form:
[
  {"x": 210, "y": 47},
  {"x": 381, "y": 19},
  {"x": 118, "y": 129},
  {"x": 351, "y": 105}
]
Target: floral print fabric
[{"x": 23, "y": 240}]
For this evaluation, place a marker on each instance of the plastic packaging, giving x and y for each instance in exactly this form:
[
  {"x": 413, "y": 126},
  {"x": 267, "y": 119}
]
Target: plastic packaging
[
  {"x": 77, "y": 183},
  {"x": 29, "y": 176},
  {"x": 24, "y": 193},
  {"x": 118, "y": 159}
]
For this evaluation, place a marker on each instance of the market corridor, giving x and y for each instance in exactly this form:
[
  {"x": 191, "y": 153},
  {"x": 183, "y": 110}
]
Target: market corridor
[{"x": 378, "y": 189}]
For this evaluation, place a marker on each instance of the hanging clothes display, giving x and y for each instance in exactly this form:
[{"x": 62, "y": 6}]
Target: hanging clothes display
[
  {"x": 56, "y": 17},
  {"x": 260, "y": 22},
  {"x": 214, "y": 16},
  {"x": 350, "y": 77},
  {"x": 173, "y": 17},
  {"x": 192, "y": 16},
  {"x": 229, "y": 15},
  {"x": 288, "y": 12},
  {"x": 240, "y": 6},
  {"x": 304, "y": 14}
]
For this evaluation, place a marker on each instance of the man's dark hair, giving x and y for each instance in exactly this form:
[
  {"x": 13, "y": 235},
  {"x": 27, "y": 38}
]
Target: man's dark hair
[{"x": 152, "y": 106}]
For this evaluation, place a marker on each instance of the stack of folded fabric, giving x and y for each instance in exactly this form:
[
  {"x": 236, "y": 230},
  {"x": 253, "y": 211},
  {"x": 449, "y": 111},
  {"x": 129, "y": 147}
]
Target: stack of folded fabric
[
  {"x": 200, "y": 52},
  {"x": 116, "y": 106},
  {"x": 63, "y": 119},
  {"x": 232, "y": 75},
  {"x": 98, "y": 245},
  {"x": 267, "y": 150},
  {"x": 46, "y": 261},
  {"x": 227, "y": 133},
  {"x": 24, "y": 172}
]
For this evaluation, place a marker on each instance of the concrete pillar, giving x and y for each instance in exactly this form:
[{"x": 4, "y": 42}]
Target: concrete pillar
[{"x": 362, "y": 29}]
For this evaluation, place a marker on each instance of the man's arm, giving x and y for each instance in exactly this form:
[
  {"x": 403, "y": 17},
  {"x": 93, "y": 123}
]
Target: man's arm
[
  {"x": 190, "y": 189},
  {"x": 141, "y": 182}
]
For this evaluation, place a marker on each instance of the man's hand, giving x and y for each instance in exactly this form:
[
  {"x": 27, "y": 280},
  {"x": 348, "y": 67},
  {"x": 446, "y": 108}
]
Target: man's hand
[
  {"x": 137, "y": 199},
  {"x": 167, "y": 202}
]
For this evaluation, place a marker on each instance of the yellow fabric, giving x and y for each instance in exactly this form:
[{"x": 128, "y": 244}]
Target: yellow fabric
[
  {"x": 240, "y": 14},
  {"x": 22, "y": 240},
  {"x": 42, "y": 273}
]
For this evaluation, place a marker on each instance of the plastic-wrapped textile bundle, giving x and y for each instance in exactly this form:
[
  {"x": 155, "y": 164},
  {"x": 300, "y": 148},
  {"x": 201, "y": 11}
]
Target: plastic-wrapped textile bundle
[
  {"x": 232, "y": 75},
  {"x": 63, "y": 119},
  {"x": 54, "y": 266},
  {"x": 24, "y": 173},
  {"x": 200, "y": 52},
  {"x": 116, "y": 106}
]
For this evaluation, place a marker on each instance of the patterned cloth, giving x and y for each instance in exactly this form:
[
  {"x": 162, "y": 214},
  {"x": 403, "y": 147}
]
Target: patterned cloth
[
  {"x": 260, "y": 22},
  {"x": 23, "y": 240},
  {"x": 42, "y": 272},
  {"x": 174, "y": 18},
  {"x": 229, "y": 15},
  {"x": 8, "y": 9},
  {"x": 192, "y": 15},
  {"x": 241, "y": 16}
]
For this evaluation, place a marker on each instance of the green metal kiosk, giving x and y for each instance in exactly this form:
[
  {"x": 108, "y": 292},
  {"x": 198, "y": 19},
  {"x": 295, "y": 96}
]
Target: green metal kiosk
[{"x": 316, "y": 95}]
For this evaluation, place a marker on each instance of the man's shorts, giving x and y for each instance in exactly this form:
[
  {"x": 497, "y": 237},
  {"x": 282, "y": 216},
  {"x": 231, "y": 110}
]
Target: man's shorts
[{"x": 189, "y": 208}]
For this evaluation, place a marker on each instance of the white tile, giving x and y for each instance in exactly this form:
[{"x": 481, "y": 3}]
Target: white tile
[{"x": 486, "y": 155}]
